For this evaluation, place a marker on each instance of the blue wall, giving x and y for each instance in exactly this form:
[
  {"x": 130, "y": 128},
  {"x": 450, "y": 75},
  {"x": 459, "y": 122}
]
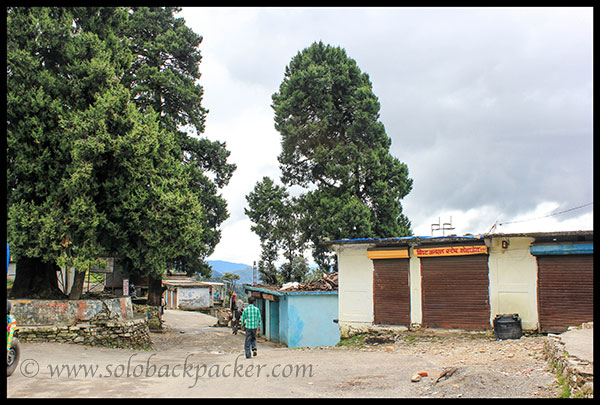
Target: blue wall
[
  {"x": 309, "y": 320},
  {"x": 300, "y": 319}
]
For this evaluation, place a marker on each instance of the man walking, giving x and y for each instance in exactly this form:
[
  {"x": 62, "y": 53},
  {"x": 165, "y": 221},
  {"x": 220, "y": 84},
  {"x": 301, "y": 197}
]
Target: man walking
[
  {"x": 251, "y": 322},
  {"x": 235, "y": 313}
]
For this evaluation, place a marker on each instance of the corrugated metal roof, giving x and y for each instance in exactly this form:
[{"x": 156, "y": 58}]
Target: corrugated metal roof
[
  {"x": 275, "y": 290},
  {"x": 184, "y": 283},
  {"x": 406, "y": 239},
  {"x": 550, "y": 236}
]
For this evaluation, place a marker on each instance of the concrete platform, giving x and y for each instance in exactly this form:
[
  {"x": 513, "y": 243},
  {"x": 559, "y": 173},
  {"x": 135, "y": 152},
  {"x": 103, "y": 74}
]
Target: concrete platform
[
  {"x": 572, "y": 353},
  {"x": 579, "y": 343}
]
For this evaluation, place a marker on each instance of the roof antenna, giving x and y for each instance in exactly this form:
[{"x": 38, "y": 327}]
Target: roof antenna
[
  {"x": 447, "y": 228},
  {"x": 437, "y": 226}
]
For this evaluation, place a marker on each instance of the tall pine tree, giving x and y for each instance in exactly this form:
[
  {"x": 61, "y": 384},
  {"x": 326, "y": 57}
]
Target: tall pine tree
[
  {"x": 334, "y": 146},
  {"x": 100, "y": 161}
]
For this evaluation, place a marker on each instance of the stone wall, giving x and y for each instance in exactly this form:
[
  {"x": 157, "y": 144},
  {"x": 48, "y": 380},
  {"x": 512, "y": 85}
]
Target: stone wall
[
  {"x": 68, "y": 312},
  {"x": 106, "y": 322},
  {"x": 152, "y": 314},
  {"x": 102, "y": 330},
  {"x": 577, "y": 372}
]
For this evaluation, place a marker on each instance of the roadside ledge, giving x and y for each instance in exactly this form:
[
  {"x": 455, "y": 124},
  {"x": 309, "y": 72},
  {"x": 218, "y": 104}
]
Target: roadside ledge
[{"x": 572, "y": 354}]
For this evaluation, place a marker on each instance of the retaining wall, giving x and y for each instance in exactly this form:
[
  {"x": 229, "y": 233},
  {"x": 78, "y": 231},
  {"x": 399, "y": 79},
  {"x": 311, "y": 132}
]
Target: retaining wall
[
  {"x": 68, "y": 312},
  {"x": 579, "y": 373},
  {"x": 99, "y": 331},
  {"x": 99, "y": 322}
]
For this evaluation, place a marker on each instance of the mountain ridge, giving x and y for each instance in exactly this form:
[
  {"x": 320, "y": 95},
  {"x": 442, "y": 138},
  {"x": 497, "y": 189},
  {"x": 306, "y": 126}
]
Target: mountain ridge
[{"x": 220, "y": 267}]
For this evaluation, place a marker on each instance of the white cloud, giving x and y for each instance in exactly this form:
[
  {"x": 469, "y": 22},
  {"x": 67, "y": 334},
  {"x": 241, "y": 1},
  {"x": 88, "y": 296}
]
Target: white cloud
[
  {"x": 237, "y": 245},
  {"x": 546, "y": 218},
  {"x": 491, "y": 109},
  {"x": 481, "y": 220}
]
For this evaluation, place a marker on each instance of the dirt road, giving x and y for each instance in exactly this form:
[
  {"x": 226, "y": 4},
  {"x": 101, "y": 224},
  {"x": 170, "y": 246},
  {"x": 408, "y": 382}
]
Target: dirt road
[{"x": 195, "y": 359}]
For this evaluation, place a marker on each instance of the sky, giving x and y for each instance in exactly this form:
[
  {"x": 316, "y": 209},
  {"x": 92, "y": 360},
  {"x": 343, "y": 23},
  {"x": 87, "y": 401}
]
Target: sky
[{"x": 490, "y": 108}]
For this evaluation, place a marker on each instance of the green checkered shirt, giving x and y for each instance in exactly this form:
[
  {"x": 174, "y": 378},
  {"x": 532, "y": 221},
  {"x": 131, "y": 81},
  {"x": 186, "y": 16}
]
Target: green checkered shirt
[{"x": 251, "y": 317}]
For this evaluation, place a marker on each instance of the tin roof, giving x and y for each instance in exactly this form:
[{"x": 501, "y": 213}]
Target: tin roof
[
  {"x": 418, "y": 240},
  {"x": 326, "y": 284},
  {"x": 184, "y": 282},
  {"x": 275, "y": 290}
]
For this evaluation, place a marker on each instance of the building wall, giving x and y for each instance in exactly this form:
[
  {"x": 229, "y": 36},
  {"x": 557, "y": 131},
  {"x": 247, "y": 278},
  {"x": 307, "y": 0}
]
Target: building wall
[
  {"x": 193, "y": 298},
  {"x": 513, "y": 280},
  {"x": 283, "y": 319},
  {"x": 309, "y": 320},
  {"x": 416, "y": 309},
  {"x": 58, "y": 312},
  {"x": 355, "y": 283},
  {"x": 512, "y": 277}
]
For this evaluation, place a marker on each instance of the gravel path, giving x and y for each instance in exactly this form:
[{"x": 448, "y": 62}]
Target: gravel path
[{"x": 380, "y": 367}]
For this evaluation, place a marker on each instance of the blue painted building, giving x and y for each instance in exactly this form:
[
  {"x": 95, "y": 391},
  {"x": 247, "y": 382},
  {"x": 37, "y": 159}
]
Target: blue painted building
[{"x": 298, "y": 318}]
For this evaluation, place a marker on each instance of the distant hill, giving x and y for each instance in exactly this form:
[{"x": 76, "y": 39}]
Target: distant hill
[
  {"x": 221, "y": 267},
  {"x": 224, "y": 267}
]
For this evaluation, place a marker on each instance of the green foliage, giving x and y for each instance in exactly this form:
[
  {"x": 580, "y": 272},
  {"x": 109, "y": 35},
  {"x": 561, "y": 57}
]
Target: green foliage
[
  {"x": 275, "y": 220},
  {"x": 335, "y": 147},
  {"x": 354, "y": 341},
  {"x": 97, "y": 159},
  {"x": 162, "y": 79},
  {"x": 230, "y": 277}
]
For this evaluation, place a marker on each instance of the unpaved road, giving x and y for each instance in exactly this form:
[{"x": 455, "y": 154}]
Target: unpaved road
[{"x": 195, "y": 359}]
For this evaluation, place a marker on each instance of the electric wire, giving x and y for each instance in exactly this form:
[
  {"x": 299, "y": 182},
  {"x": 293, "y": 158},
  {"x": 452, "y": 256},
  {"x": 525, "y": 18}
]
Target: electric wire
[{"x": 546, "y": 216}]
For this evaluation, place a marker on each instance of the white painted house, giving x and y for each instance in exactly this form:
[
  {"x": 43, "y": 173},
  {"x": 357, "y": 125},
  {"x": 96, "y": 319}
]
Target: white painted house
[
  {"x": 188, "y": 294},
  {"x": 463, "y": 282}
]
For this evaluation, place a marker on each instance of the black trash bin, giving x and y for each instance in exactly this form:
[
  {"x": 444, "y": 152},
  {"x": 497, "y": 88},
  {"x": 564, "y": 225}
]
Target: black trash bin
[{"x": 508, "y": 326}]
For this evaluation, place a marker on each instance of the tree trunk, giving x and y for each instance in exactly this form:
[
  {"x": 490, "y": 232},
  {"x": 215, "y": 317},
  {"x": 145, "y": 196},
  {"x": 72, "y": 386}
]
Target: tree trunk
[
  {"x": 36, "y": 279},
  {"x": 77, "y": 288},
  {"x": 155, "y": 291}
]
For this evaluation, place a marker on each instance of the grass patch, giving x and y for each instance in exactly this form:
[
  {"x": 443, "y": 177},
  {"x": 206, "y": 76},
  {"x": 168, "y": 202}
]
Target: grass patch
[
  {"x": 353, "y": 341},
  {"x": 564, "y": 387},
  {"x": 563, "y": 383}
]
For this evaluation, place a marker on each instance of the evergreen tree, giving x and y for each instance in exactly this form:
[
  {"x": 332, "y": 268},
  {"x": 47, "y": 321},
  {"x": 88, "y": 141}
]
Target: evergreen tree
[
  {"x": 275, "y": 219},
  {"x": 334, "y": 146},
  {"x": 163, "y": 78},
  {"x": 97, "y": 163},
  {"x": 56, "y": 75}
]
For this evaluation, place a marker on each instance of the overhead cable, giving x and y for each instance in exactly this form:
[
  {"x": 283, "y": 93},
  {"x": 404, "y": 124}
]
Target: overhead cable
[{"x": 546, "y": 216}]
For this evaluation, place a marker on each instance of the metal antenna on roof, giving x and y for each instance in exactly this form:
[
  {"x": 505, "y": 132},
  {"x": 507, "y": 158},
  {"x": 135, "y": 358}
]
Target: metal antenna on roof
[
  {"x": 447, "y": 228},
  {"x": 437, "y": 226}
]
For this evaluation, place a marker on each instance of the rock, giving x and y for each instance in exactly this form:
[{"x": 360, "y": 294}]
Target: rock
[{"x": 415, "y": 378}]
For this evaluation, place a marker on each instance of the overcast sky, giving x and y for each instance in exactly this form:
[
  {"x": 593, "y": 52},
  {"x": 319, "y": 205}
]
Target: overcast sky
[{"x": 490, "y": 108}]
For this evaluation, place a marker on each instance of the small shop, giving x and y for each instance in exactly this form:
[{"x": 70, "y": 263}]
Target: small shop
[
  {"x": 455, "y": 287},
  {"x": 565, "y": 284}
]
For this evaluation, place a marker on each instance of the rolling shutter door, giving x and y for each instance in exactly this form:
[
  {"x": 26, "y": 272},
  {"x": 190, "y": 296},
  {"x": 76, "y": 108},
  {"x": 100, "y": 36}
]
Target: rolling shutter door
[
  {"x": 565, "y": 291},
  {"x": 391, "y": 292},
  {"x": 455, "y": 292}
]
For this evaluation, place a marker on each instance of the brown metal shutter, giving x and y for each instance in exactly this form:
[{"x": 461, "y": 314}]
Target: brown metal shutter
[
  {"x": 455, "y": 292},
  {"x": 565, "y": 291},
  {"x": 391, "y": 292}
]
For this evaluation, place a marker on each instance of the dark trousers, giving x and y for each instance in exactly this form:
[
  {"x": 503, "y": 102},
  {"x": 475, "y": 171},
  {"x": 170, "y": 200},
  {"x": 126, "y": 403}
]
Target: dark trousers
[{"x": 250, "y": 343}]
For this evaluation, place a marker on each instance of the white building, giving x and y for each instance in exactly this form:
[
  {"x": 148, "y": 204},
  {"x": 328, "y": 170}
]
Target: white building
[{"x": 464, "y": 282}]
